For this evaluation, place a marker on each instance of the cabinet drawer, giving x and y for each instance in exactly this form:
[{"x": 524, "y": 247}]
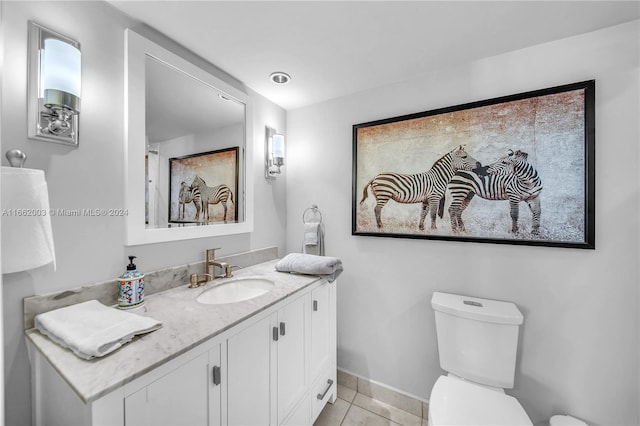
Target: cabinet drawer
[{"x": 323, "y": 390}]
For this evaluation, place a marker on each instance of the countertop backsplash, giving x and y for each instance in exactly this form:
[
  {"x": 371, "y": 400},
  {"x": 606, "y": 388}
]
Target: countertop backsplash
[{"x": 154, "y": 282}]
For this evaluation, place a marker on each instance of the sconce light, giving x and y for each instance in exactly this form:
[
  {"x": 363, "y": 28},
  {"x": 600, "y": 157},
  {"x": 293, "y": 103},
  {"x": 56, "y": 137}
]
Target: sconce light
[
  {"x": 54, "y": 86},
  {"x": 273, "y": 153}
]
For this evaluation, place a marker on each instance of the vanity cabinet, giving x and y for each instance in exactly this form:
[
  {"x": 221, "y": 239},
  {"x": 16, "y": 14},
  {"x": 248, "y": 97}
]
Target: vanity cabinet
[
  {"x": 188, "y": 395},
  {"x": 266, "y": 367},
  {"x": 323, "y": 364},
  {"x": 277, "y": 367}
]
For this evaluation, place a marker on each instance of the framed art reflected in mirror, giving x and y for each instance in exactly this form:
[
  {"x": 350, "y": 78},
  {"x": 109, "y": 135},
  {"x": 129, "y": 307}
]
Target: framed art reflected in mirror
[{"x": 203, "y": 187}]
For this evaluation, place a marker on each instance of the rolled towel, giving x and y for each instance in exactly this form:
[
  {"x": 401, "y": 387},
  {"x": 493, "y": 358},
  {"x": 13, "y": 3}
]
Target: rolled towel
[
  {"x": 330, "y": 267},
  {"x": 91, "y": 329}
]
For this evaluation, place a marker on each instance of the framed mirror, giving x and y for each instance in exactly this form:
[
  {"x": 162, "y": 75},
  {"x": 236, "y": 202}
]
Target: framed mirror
[{"x": 186, "y": 151}]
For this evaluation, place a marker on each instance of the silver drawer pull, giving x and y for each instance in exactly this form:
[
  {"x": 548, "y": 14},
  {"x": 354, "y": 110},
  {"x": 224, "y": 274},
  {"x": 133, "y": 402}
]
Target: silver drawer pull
[{"x": 323, "y": 394}]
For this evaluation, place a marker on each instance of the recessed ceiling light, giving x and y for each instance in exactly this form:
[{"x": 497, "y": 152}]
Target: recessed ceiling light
[{"x": 280, "y": 77}]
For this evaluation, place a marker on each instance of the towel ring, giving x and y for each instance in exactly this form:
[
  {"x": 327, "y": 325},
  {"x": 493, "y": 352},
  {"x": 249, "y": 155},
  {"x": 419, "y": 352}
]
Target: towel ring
[{"x": 314, "y": 210}]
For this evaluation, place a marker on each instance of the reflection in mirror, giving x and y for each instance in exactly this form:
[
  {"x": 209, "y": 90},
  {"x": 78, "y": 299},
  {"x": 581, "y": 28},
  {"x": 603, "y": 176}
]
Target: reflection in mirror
[
  {"x": 186, "y": 152},
  {"x": 193, "y": 138}
]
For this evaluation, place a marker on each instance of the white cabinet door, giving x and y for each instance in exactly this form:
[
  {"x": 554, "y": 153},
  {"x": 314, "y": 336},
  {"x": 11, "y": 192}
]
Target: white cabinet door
[
  {"x": 249, "y": 374},
  {"x": 292, "y": 378},
  {"x": 177, "y": 398},
  {"x": 266, "y": 367},
  {"x": 216, "y": 382},
  {"x": 321, "y": 347}
]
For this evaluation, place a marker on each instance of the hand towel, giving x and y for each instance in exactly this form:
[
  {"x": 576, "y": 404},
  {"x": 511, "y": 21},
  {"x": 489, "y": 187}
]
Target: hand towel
[
  {"x": 313, "y": 238},
  {"x": 91, "y": 329},
  {"x": 330, "y": 267},
  {"x": 27, "y": 237},
  {"x": 311, "y": 230}
]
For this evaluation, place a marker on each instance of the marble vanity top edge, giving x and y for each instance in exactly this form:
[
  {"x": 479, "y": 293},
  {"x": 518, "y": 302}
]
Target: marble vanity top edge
[{"x": 176, "y": 308}]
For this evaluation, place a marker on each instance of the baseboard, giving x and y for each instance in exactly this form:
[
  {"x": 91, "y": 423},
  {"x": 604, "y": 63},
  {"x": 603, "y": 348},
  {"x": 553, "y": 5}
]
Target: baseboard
[{"x": 382, "y": 392}]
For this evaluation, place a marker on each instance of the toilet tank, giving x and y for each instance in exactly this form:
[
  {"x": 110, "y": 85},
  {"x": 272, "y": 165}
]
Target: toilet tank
[{"x": 477, "y": 338}]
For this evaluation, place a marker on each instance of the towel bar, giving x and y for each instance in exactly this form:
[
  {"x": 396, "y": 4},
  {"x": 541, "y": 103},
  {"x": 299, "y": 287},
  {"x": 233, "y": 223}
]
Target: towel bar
[{"x": 315, "y": 210}]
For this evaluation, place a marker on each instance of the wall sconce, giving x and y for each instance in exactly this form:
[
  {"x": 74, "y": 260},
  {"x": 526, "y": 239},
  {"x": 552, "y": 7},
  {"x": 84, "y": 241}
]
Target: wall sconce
[
  {"x": 273, "y": 153},
  {"x": 54, "y": 86}
]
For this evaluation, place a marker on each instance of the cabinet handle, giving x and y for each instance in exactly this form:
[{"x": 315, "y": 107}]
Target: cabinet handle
[
  {"x": 216, "y": 375},
  {"x": 275, "y": 333},
  {"x": 282, "y": 329},
  {"x": 323, "y": 394},
  {"x": 315, "y": 305}
]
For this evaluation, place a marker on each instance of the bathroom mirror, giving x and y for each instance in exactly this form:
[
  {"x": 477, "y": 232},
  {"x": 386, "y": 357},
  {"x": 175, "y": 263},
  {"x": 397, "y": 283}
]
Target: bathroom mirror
[{"x": 186, "y": 151}]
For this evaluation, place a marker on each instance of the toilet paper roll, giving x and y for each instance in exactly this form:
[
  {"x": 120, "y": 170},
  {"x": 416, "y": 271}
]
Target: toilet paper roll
[{"x": 27, "y": 238}]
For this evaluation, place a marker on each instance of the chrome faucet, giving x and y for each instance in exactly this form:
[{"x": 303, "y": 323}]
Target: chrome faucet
[{"x": 212, "y": 264}]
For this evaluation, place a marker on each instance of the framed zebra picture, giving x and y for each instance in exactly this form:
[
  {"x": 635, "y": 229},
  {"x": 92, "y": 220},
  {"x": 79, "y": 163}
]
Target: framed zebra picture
[
  {"x": 518, "y": 169},
  {"x": 203, "y": 187}
]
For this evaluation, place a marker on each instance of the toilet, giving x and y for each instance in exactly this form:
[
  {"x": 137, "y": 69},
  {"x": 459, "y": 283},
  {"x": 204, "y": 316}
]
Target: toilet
[
  {"x": 477, "y": 345},
  {"x": 562, "y": 420}
]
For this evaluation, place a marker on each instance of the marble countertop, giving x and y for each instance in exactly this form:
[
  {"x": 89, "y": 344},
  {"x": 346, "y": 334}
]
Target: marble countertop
[{"x": 185, "y": 324}]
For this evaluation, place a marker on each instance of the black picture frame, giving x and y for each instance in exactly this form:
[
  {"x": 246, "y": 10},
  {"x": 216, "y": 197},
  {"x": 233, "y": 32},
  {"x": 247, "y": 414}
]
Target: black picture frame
[{"x": 549, "y": 133}]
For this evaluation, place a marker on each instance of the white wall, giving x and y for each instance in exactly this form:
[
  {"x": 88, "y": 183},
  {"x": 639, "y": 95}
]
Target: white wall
[
  {"x": 91, "y": 249},
  {"x": 2, "y": 35},
  {"x": 579, "y": 344}
]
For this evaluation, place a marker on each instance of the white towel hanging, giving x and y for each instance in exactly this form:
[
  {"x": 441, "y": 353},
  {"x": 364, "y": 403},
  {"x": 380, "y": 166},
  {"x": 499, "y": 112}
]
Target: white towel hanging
[{"x": 313, "y": 231}]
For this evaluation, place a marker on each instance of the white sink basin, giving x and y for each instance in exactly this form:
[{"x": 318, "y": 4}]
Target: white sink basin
[{"x": 236, "y": 290}]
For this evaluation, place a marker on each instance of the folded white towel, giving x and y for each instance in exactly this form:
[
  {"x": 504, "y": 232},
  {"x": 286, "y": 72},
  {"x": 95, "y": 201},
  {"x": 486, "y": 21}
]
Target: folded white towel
[
  {"x": 310, "y": 264},
  {"x": 91, "y": 329},
  {"x": 311, "y": 230}
]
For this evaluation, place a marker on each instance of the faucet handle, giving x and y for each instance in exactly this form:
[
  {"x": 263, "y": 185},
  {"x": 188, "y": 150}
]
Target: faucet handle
[
  {"x": 193, "y": 281},
  {"x": 211, "y": 253}
]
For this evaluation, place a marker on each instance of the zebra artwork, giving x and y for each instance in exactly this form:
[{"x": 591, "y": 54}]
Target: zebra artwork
[
  {"x": 511, "y": 178},
  {"x": 185, "y": 196},
  {"x": 210, "y": 195},
  {"x": 427, "y": 187}
]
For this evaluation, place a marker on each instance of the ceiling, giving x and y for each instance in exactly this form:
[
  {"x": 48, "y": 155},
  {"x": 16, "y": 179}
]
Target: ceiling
[
  {"x": 208, "y": 110},
  {"x": 335, "y": 48}
]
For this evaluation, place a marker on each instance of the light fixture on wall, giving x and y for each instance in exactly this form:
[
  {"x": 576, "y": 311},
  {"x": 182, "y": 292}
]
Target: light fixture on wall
[
  {"x": 273, "y": 153},
  {"x": 54, "y": 86}
]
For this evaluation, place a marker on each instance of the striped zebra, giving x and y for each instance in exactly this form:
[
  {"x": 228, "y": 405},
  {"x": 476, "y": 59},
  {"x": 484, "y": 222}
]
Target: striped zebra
[
  {"x": 511, "y": 178},
  {"x": 185, "y": 196},
  {"x": 204, "y": 195},
  {"x": 427, "y": 188}
]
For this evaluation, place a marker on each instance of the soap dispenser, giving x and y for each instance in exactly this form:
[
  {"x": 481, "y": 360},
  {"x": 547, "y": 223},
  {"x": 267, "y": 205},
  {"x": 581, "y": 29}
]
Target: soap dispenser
[{"x": 131, "y": 287}]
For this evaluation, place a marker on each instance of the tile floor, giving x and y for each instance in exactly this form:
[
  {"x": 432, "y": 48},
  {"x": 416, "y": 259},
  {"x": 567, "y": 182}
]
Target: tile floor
[{"x": 352, "y": 408}]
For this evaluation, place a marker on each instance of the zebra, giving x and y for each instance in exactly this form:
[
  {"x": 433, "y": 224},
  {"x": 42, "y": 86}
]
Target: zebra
[
  {"x": 185, "y": 196},
  {"x": 210, "y": 195},
  {"x": 510, "y": 177},
  {"x": 427, "y": 188}
]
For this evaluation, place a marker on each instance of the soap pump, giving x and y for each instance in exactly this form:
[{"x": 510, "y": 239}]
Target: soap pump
[{"x": 131, "y": 287}]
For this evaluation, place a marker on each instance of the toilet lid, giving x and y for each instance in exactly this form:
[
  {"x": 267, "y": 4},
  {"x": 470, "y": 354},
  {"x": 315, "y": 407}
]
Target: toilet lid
[{"x": 456, "y": 402}]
